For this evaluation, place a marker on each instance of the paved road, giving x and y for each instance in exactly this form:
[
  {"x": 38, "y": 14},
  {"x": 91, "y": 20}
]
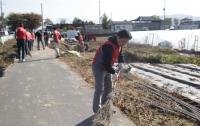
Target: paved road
[{"x": 44, "y": 92}]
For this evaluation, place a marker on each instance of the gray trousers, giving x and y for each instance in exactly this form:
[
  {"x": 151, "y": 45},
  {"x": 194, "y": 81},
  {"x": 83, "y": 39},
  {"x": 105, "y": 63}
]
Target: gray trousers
[
  {"x": 103, "y": 87},
  {"x": 38, "y": 43},
  {"x": 56, "y": 46}
]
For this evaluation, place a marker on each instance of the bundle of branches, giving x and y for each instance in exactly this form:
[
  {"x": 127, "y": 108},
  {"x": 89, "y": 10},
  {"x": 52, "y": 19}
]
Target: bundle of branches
[
  {"x": 66, "y": 46},
  {"x": 103, "y": 116}
]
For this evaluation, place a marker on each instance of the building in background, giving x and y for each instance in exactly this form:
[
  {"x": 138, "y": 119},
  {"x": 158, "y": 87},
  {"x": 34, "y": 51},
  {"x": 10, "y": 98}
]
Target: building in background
[
  {"x": 144, "y": 23},
  {"x": 96, "y": 29},
  {"x": 187, "y": 23},
  {"x": 116, "y": 26}
]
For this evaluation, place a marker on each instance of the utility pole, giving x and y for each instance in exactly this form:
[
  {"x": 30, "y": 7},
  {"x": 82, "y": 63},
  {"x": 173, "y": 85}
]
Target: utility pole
[
  {"x": 1, "y": 9},
  {"x": 42, "y": 22},
  {"x": 164, "y": 9},
  {"x": 2, "y": 16},
  {"x": 164, "y": 12},
  {"x": 99, "y": 11}
]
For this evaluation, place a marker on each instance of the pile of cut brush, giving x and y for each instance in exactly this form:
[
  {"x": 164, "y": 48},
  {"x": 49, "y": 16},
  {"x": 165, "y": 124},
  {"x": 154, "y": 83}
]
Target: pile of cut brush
[{"x": 103, "y": 116}]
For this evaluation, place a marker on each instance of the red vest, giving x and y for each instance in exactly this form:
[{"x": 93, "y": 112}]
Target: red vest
[
  {"x": 29, "y": 36},
  {"x": 21, "y": 33},
  {"x": 80, "y": 39},
  {"x": 115, "y": 55},
  {"x": 57, "y": 36}
]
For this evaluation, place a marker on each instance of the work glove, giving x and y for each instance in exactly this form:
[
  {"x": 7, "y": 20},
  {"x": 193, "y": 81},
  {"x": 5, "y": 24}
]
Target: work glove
[{"x": 111, "y": 71}]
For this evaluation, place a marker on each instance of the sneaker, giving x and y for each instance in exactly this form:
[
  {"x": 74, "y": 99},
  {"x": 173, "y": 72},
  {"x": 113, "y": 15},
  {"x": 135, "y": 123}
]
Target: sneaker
[{"x": 23, "y": 60}]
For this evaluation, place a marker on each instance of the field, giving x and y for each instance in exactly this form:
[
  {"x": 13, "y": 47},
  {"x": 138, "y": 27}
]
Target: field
[{"x": 129, "y": 96}]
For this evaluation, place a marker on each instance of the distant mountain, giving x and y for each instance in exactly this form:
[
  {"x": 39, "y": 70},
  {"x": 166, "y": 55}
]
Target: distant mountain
[{"x": 181, "y": 16}]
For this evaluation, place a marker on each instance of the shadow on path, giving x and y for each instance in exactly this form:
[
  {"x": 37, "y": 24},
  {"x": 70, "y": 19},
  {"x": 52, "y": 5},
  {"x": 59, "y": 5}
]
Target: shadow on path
[{"x": 86, "y": 122}]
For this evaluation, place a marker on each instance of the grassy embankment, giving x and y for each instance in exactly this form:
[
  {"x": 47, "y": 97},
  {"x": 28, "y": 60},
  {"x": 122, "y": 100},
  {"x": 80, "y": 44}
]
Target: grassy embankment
[
  {"x": 138, "y": 53},
  {"x": 7, "y": 54}
]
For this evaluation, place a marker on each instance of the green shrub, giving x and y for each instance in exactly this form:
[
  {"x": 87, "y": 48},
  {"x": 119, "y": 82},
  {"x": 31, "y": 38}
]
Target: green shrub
[
  {"x": 196, "y": 61},
  {"x": 173, "y": 59},
  {"x": 151, "y": 57},
  {"x": 154, "y": 58}
]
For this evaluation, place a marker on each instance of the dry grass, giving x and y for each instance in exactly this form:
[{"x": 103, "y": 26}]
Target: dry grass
[
  {"x": 130, "y": 99},
  {"x": 147, "y": 49},
  {"x": 7, "y": 53},
  {"x": 128, "y": 96}
]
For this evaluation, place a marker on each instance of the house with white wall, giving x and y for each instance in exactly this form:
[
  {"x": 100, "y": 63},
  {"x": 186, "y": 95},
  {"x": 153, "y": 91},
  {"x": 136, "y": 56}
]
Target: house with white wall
[{"x": 116, "y": 26}]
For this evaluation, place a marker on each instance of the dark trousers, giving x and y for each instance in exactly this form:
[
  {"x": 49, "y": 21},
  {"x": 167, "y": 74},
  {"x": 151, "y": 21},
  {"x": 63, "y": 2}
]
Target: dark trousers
[
  {"x": 26, "y": 47},
  {"x": 21, "y": 48},
  {"x": 30, "y": 45},
  {"x": 46, "y": 42},
  {"x": 103, "y": 87},
  {"x": 38, "y": 43}
]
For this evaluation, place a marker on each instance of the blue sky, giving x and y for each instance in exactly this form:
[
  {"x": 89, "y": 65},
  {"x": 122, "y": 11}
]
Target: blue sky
[{"x": 88, "y": 9}]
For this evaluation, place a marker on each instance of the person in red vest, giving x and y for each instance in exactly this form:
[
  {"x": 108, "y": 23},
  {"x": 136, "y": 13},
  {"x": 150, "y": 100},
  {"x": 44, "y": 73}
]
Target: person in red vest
[
  {"x": 21, "y": 40},
  {"x": 81, "y": 42},
  {"x": 106, "y": 55},
  {"x": 56, "y": 43},
  {"x": 29, "y": 39}
]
